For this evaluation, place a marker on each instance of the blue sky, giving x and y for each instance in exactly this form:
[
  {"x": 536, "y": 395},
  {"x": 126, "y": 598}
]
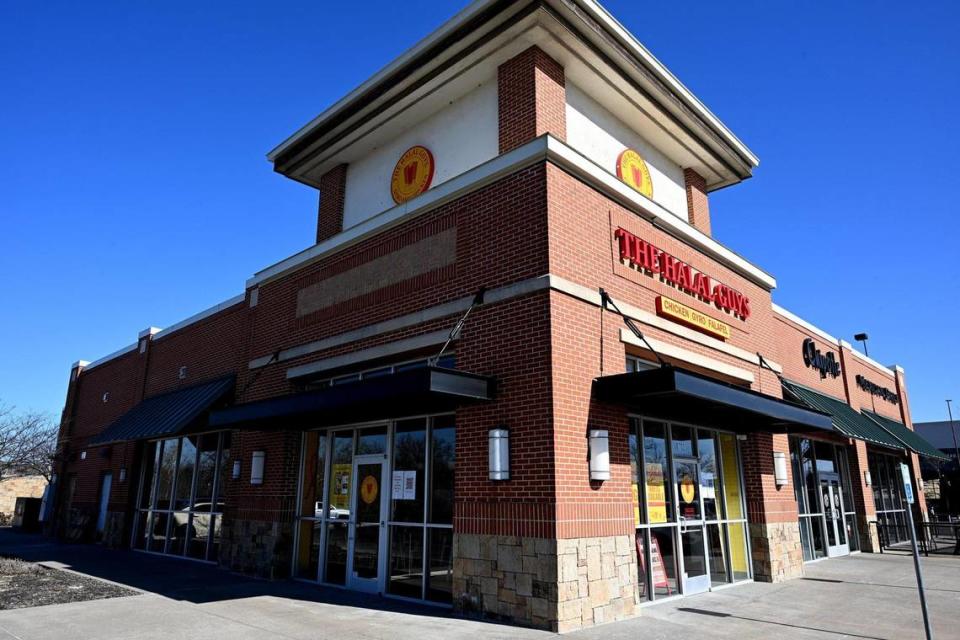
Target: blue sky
[{"x": 134, "y": 189}]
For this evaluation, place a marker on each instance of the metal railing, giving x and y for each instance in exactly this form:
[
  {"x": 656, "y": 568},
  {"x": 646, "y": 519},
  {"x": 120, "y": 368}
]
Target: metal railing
[{"x": 937, "y": 537}]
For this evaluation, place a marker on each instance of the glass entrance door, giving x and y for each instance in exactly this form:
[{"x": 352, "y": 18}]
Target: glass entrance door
[
  {"x": 696, "y": 577},
  {"x": 366, "y": 535},
  {"x": 837, "y": 544}
]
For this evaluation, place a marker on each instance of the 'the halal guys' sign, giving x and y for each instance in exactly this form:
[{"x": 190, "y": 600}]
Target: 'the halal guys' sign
[{"x": 644, "y": 256}]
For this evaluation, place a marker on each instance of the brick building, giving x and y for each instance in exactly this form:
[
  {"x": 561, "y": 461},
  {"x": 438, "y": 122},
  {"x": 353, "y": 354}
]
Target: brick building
[{"x": 515, "y": 374}]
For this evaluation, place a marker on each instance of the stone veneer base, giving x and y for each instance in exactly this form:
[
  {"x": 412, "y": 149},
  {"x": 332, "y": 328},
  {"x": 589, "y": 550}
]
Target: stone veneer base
[
  {"x": 560, "y": 585},
  {"x": 777, "y": 552}
]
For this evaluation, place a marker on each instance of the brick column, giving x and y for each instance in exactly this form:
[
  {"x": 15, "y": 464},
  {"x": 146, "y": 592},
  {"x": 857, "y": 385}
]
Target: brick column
[
  {"x": 698, "y": 206},
  {"x": 333, "y": 187},
  {"x": 863, "y": 497},
  {"x": 532, "y": 99},
  {"x": 771, "y": 510}
]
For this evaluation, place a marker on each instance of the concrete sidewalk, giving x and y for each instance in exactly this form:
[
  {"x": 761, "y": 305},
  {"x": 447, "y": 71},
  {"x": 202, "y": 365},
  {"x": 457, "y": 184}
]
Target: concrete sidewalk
[{"x": 862, "y": 596}]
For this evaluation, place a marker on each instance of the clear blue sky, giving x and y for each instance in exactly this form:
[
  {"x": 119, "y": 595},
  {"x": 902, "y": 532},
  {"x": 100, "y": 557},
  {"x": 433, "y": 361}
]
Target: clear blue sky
[{"x": 134, "y": 189}]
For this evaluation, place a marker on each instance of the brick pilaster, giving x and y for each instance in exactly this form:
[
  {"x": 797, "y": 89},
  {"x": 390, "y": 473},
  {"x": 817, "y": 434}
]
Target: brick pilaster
[
  {"x": 532, "y": 99},
  {"x": 863, "y": 496},
  {"x": 771, "y": 510},
  {"x": 901, "y": 389},
  {"x": 333, "y": 187},
  {"x": 698, "y": 205}
]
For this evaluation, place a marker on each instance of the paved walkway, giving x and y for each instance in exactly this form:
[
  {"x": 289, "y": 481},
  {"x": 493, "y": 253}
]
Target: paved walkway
[{"x": 862, "y": 596}]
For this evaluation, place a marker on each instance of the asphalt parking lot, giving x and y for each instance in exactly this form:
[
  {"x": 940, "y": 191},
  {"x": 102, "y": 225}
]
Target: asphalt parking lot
[{"x": 861, "y": 596}]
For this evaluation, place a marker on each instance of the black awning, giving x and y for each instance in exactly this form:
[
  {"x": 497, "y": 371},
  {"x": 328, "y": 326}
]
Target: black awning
[
  {"x": 167, "y": 414},
  {"x": 418, "y": 391},
  {"x": 684, "y": 396}
]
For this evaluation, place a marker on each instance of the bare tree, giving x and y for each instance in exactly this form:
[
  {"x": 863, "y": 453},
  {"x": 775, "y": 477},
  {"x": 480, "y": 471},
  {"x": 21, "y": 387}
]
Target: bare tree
[{"x": 28, "y": 442}]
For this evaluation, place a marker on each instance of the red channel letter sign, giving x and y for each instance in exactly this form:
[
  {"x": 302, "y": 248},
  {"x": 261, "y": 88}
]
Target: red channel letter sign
[{"x": 643, "y": 255}]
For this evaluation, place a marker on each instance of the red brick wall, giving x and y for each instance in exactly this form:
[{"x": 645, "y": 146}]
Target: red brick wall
[
  {"x": 209, "y": 349},
  {"x": 532, "y": 99},
  {"x": 698, "y": 205},
  {"x": 583, "y": 249},
  {"x": 333, "y": 188},
  {"x": 790, "y": 337}
]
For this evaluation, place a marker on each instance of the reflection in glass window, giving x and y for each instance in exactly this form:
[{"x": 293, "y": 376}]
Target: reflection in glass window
[
  {"x": 166, "y": 471},
  {"x": 406, "y": 562},
  {"x": 372, "y": 441},
  {"x": 709, "y": 479},
  {"x": 341, "y": 474},
  {"x": 409, "y": 463},
  {"x": 181, "y": 474},
  {"x": 443, "y": 444},
  {"x": 656, "y": 473},
  {"x": 440, "y": 565}
]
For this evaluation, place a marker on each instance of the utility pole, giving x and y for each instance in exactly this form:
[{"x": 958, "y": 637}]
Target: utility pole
[{"x": 956, "y": 449}]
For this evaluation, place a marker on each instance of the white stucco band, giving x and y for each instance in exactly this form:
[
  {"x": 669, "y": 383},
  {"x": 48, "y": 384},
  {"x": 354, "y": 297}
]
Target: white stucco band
[
  {"x": 601, "y": 137},
  {"x": 456, "y": 147}
]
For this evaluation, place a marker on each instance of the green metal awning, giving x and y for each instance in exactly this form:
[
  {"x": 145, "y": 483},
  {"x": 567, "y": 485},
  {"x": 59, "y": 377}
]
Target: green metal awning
[
  {"x": 845, "y": 418},
  {"x": 914, "y": 441}
]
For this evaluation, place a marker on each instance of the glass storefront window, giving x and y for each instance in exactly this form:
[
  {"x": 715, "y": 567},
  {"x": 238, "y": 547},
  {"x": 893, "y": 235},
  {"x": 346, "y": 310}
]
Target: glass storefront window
[
  {"x": 440, "y": 565},
  {"x": 180, "y": 497},
  {"x": 693, "y": 472},
  {"x": 709, "y": 479},
  {"x": 656, "y": 473},
  {"x": 415, "y": 483},
  {"x": 406, "y": 562},
  {"x": 409, "y": 463},
  {"x": 442, "y": 469},
  {"x": 663, "y": 564}
]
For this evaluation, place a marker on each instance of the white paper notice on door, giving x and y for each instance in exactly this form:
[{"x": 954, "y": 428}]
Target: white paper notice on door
[
  {"x": 409, "y": 485},
  {"x": 397, "y": 492}
]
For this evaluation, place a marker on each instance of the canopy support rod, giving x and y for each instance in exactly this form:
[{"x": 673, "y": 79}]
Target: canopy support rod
[
  {"x": 607, "y": 300},
  {"x": 457, "y": 328}
]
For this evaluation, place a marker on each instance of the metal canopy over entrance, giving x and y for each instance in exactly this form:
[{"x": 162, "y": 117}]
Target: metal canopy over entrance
[
  {"x": 689, "y": 397},
  {"x": 418, "y": 391},
  {"x": 167, "y": 414}
]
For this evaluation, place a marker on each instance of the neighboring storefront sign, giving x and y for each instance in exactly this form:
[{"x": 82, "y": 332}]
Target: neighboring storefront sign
[
  {"x": 876, "y": 390},
  {"x": 827, "y": 364},
  {"x": 632, "y": 169},
  {"x": 412, "y": 175},
  {"x": 669, "y": 308},
  {"x": 645, "y": 256}
]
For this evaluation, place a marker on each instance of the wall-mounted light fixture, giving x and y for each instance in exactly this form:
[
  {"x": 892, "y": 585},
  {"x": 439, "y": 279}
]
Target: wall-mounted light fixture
[
  {"x": 867, "y": 478},
  {"x": 599, "y": 454},
  {"x": 499, "y": 454},
  {"x": 123, "y": 474},
  {"x": 83, "y": 455},
  {"x": 235, "y": 475},
  {"x": 256, "y": 467},
  {"x": 780, "y": 468}
]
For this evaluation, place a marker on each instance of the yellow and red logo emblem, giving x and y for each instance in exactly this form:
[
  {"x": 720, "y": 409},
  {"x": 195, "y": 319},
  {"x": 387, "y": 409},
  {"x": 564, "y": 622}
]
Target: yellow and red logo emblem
[
  {"x": 412, "y": 175},
  {"x": 633, "y": 170},
  {"x": 369, "y": 489}
]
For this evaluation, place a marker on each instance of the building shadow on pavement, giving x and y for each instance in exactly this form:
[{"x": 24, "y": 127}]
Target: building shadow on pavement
[
  {"x": 188, "y": 580},
  {"x": 718, "y": 614}
]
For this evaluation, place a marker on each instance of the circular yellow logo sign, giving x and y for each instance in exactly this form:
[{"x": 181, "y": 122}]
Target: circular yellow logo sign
[
  {"x": 368, "y": 489},
  {"x": 633, "y": 170},
  {"x": 688, "y": 491},
  {"x": 412, "y": 175}
]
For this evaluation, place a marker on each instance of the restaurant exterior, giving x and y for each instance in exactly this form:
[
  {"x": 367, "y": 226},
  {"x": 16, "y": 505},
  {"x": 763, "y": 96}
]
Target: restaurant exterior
[{"x": 514, "y": 373}]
